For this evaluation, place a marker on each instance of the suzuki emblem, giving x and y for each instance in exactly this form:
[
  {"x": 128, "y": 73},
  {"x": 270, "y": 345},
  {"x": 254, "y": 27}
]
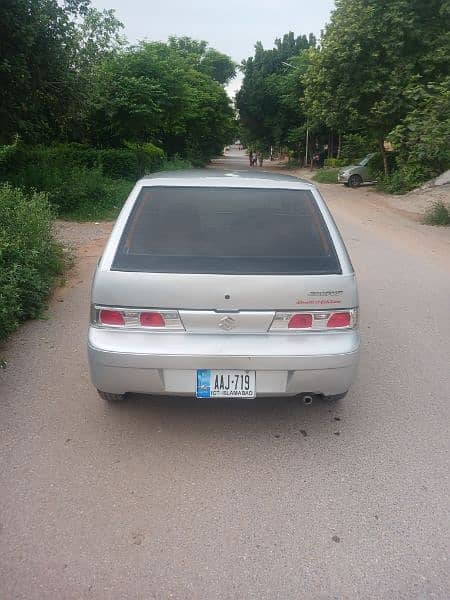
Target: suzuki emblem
[{"x": 227, "y": 323}]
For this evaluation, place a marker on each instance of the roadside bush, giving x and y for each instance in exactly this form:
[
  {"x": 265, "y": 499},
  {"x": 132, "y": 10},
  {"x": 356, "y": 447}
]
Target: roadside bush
[
  {"x": 150, "y": 158},
  {"x": 30, "y": 259},
  {"x": 326, "y": 176},
  {"x": 438, "y": 214},
  {"x": 336, "y": 162},
  {"x": 175, "y": 164},
  {"x": 19, "y": 157},
  {"x": 82, "y": 183},
  {"x": 118, "y": 163},
  {"x": 403, "y": 179},
  {"x": 131, "y": 162},
  {"x": 376, "y": 165}
]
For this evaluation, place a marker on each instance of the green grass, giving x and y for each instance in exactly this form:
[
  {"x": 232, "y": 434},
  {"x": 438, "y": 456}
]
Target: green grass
[
  {"x": 326, "y": 176},
  {"x": 438, "y": 214}
]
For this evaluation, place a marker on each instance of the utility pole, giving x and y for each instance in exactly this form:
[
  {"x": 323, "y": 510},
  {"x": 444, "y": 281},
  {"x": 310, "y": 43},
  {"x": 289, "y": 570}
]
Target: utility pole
[{"x": 307, "y": 143}]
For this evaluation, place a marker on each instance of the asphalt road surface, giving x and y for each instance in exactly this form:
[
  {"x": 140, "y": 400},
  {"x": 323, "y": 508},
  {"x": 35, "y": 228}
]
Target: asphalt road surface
[{"x": 238, "y": 499}]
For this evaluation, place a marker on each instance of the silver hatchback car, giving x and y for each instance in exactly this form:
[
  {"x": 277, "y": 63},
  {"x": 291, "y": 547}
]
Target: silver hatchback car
[{"x": 224, "y": 285}]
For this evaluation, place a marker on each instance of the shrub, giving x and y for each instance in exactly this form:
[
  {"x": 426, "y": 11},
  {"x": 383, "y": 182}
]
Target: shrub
[
  {"x": 19, "y": 157},
  {"x": 30, "y": 259},
  {"x": 118, "y": 163},
  {"x": 326, "y": 176},
  {"x": 87, "y": 194},
  {"x": 175, "y": 164},
  {"x": 376, "y": 165},
  {"x": 150, "y": 158},
  {"x": 403, "y": 179},
  {"x": 438, "y": 214},
  {"x": 336, "y": 162},
  {"x": 423, "y": 137},
  {"x": 131, "y": 162},
  {"x": 82, "y": 183}
]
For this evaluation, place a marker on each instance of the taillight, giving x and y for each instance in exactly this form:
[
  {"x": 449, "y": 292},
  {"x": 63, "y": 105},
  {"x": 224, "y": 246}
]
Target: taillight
[
  {"x": 132, "y": 318},
  {"x": 152, "y": 319},
  {"x": 300, "y": 321},
  {"x": 315, "y": 320},
  {"x": 340, "y": 319},
  {"x": 111, "y": 317}
]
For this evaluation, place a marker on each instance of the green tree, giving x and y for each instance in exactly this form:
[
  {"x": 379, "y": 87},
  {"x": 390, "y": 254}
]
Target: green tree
[
  {"x": 370, "y": 53},
  {"x": 204, "y": 59},
  {"x": 152, "y": 93},
  {"x": 269, "y": 101},
  {"x": 422, "y": 139},
  {"x": 47, "y": 49}
]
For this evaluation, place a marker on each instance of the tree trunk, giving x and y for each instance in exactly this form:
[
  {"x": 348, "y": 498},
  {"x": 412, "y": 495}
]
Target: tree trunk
[
  {"x": 383, "y": 154},
  {"x": 339, "y": 145}
]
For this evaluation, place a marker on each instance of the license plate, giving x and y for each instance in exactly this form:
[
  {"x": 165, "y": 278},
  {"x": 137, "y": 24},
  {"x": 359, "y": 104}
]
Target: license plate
[{"x": 226, "y": 384}]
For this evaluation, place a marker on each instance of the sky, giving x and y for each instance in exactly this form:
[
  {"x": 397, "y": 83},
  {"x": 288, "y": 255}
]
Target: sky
[{"x": 232, "y": 26}]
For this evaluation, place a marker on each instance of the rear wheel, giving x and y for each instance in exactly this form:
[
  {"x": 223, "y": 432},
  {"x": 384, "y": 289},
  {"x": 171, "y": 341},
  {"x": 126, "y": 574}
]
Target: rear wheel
[
  {"x": 112, "y": 398},
  {"x": 355, "y": 181}
]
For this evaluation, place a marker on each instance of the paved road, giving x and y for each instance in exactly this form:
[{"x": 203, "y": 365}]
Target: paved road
[{"x": 260, "y": 499}]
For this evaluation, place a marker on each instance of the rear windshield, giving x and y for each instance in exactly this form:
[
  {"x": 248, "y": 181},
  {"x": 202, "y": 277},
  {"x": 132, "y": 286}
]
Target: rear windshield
[{"x": 226, "y": 230}]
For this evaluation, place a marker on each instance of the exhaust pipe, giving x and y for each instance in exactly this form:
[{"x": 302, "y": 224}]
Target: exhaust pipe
[{"x": 307, "y": 399}]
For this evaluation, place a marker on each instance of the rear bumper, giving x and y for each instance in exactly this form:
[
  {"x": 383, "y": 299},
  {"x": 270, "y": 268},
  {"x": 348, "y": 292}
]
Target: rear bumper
[{"x": 320, "y": 363}]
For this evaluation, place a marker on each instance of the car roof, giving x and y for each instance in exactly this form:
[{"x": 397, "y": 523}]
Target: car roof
[{"x": 224, "y": 178}]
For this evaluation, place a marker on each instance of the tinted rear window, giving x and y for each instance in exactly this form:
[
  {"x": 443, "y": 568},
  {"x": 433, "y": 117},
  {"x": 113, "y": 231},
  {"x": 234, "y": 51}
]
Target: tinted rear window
[{"x": 226, "y": 230}]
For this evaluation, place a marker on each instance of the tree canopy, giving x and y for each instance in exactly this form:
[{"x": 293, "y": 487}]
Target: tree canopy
[
  {"x": 269, "y": 99},
  {"x": 67, "y": 74},
  {"x": 379, "y": 73}
]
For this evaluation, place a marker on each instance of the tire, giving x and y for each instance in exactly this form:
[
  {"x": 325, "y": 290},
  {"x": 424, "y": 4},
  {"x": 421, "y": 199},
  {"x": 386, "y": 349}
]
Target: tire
[
  {"x": 335, "y": 398},
  {"x": 355, "y": 181},
  {"x": 112, "y": 398}
]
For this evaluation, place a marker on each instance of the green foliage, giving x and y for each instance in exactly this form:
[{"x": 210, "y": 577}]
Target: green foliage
[
  {"x": 206, "y": 60},
  {"x": 370, "y": 53},
  {"x": 82, "y": 182},
  {"x": 48, "y": 50},
  {"x": 88, "y": 195},
  {"x": 423, "y": 136},
  {"x": 151, "y": 93},
  {"x": 269, "y": 99},
  {"x": 356, "y": 145},
  {"x": 30, "y": 259},
  {"x": 326, "y": 176},
  {"x": 131, "y": 162},
  {"x": 438, "y": 214},
  {"x": 336, "y": 162},
  {"x": 376, "y": 165},
  {"x": 403, "y": 179}
]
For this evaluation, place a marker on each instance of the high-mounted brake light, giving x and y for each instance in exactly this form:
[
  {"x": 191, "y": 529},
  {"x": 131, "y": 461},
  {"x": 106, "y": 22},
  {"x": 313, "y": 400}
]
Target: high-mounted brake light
[{"x": 132, "y": 318}]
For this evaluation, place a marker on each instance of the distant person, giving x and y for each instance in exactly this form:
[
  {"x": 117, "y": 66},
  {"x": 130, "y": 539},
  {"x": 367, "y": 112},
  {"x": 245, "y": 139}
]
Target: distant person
[
  {"x": 260, "y": 160},
  {"x": 250, "y": 158}
]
